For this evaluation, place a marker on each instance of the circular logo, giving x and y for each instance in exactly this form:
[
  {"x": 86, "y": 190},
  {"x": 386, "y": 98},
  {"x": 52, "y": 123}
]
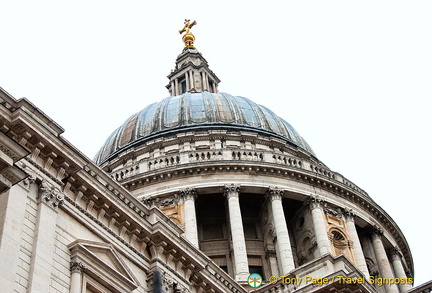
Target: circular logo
[{"x": 255, "y": 280}]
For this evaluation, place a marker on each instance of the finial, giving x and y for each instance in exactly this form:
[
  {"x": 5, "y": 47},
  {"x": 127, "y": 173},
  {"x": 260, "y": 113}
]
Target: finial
[{"x": 188, "y": 37}]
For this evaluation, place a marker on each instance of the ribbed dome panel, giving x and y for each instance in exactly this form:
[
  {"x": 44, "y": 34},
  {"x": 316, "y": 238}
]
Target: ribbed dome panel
[{"x": 197, "y": 110}]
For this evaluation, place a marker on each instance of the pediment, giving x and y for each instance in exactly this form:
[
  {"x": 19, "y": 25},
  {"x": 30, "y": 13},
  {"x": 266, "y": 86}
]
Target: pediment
[{"x": 102, "y": 260}]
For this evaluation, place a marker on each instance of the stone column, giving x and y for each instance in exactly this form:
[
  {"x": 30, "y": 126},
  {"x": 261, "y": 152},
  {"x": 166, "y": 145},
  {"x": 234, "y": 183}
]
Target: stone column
[
  {"x": 191, "y": 231},
  {"x": 77, "y": 269},
  {"x": 187, "y": 81},
  {"x": 285, "y": 258},
  {"x": 41, "y": 266},
  {"x": 357, "y": 249},
  {"x": 202, "y": 80},
  {"x": 241, "y": 266},
  {"x": 206, "y": 84},
  {"x": 191, "y": 82},
  {"x": 172, "y": 88},
  {"x": 177, "y": 90},
  {"x": 382, "y": 260},
  {"x": 396, "y": 261},
  {"x": 320, "y": 229}
]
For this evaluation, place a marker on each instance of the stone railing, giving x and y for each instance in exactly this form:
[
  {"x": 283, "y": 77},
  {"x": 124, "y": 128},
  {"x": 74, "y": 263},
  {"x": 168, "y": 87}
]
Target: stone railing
[
  {"x": 242, "y": 155},
  {"x": 232, "y": 155},
  {"x": 161, "y": 162},
  {"x": 126, "y": 172},
  {"x": 199, "y": 156}
]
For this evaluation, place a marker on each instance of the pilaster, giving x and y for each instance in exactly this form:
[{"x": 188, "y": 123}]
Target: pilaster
[
  {"x": 271, "y": 256},
  {"x": 13, "y": 205},
  {"x": 41, "y": 266}
]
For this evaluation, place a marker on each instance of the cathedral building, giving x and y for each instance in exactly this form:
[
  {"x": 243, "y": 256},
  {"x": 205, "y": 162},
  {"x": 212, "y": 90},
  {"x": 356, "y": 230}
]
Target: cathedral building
[{"x": 211, "y": 191}]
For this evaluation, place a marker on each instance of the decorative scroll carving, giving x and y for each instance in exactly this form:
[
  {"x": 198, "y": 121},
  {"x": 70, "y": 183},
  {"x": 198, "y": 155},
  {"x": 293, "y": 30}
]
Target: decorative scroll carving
[
  {"x": 170, "y": 285},
  {"x": 231, "y": 190},
  {"x": 148, "y": 201},
  {"x": 76, "y": 266},
  {"x": 168, "y": 201},
  {"x": 275, "y": 193},
  {"x": 395, "y": 252},
  {"x": 332, "y": 211},
  {"x": 270, "y": 253},
  {"x": 349, "y": 214},
  {"x": 26, "y": 183},
  {"x": 376, "y": 232},
  {"x": 188, "y": 193},
  {"x": 161, "y": 202},
  {"x": 315, "y": 202},
  {"x": 50, "y": 195}
]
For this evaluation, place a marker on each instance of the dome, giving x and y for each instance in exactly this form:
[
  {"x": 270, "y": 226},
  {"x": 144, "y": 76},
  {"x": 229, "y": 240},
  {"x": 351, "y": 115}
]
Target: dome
[{"x": 198, "y": 111}]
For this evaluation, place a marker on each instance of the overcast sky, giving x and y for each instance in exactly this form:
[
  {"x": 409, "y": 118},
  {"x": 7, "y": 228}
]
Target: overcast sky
[{"x": 353, "y": 78}]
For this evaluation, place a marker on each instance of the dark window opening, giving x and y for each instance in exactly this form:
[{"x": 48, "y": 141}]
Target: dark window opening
[
  {"x": 183, "y": 86},
  {"x": 213, "y": 230},
  {"x": 224, "y": 268},
  {"x": 256, "y": 270}
]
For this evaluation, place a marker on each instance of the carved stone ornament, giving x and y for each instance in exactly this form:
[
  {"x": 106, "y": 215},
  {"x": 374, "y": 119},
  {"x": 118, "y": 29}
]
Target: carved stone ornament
[
  {"x": 231, "y": 190},
  {"x": 275, "y": 193},
  {"x": 169, "y": 285},
  {"x": 76, "y": 266},
  {"x": 50, "y": 195},
  {"x": 26, "y": 183},
  {"x": 376, "y": 232},
  {"x": 163, "y": 202},
  {"x": 148, "y": 201},
  {"x": 188, "y": 193},
  {"x": 395, "y": 251},
  {"x": 349, "y": 214},
  {"x": 315, "y": 202},
  {"x": 332, "y": 211}
]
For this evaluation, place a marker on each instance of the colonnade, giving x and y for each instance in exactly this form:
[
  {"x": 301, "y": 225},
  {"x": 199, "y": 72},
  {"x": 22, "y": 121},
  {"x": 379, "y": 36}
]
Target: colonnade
[{"x": 284, "y": 252}]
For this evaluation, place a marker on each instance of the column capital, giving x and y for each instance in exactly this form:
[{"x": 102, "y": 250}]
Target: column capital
[
  {"x": 149, "y": 201},
  {"x": 77, "y": 267},
  {"x": 376, "y": 232},
  {"x": 270, "y": 253},
  {"x": 395, "y": 252},
  {"x": 231, "y": 190},
  {"x": 50, "y": 195},
  {"x": 26, "y": 182},
  {"x": 274, "y": 193},
  {"x": 315, "y": 202},
  {"x": 188, "y": 193},
  {"x": 349, "y": 214}
]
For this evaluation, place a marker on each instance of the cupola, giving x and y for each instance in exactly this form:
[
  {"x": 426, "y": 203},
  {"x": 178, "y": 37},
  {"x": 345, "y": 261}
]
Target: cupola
[{"x": 191, "y": 72}]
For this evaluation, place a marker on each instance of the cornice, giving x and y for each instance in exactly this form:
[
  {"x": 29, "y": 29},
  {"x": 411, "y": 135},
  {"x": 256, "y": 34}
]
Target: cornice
[{"x": 324, "y": 182}]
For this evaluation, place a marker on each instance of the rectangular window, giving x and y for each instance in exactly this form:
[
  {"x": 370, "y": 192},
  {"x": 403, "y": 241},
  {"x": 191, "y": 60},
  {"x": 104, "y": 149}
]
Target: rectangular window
[{"x": 183, "y": 86}]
